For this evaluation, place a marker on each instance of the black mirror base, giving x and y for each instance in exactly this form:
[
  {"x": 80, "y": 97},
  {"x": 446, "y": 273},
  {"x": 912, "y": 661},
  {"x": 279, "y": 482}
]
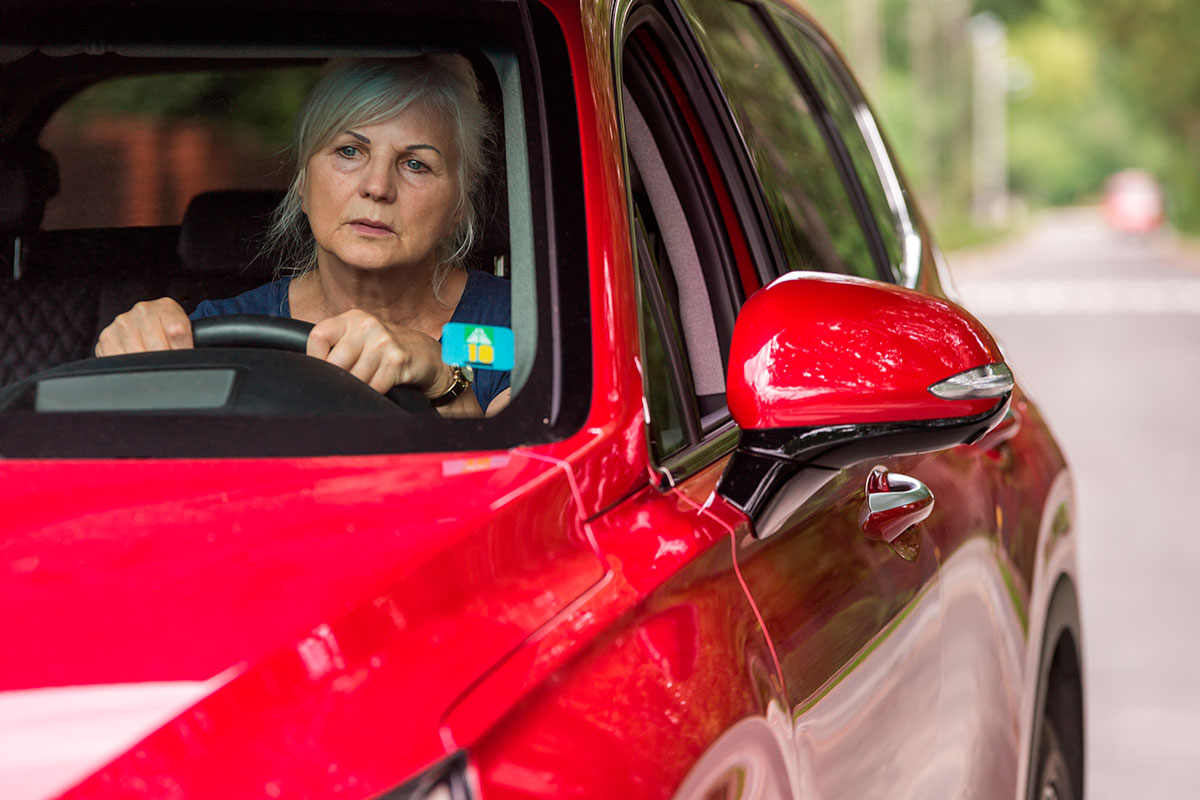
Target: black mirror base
[{"x": 766, "y": 460}]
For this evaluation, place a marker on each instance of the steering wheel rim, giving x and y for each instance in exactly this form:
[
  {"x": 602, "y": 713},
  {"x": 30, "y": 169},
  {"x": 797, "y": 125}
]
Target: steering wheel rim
[
  {"x": 281, "y": 333},
  {"x": 252, "y": 330}
]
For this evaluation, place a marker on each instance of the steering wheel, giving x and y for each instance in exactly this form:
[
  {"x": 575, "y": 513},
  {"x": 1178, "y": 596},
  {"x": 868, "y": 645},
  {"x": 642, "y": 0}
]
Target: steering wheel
[{"x": 281, "y": 333}]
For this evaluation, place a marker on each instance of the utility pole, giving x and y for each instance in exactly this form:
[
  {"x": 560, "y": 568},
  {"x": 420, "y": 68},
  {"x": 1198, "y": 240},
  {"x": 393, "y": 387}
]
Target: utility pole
[
  {"x": 955, "y": 156},
  {"x": 925, "y": 102},
  {"x": 989, "y": 128},
  {"x": 866, "y": 43}
]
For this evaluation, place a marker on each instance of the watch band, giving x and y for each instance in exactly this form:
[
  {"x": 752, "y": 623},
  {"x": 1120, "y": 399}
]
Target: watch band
[{"x": 459, "y": 385}]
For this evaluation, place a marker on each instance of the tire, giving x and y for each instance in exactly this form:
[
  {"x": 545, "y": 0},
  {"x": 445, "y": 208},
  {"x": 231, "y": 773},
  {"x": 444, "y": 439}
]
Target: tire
[{"x": 1053, "y": 773}]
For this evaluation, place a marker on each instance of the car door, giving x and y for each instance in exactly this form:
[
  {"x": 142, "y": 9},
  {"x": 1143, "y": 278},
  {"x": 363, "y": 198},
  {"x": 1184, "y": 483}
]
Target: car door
[
  {"x": 856, "y": 622},
  {"x": 983, "y": 644}
]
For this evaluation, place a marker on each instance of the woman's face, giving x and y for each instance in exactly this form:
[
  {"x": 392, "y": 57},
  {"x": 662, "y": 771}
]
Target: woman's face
[{"x": 383, "y": 196}]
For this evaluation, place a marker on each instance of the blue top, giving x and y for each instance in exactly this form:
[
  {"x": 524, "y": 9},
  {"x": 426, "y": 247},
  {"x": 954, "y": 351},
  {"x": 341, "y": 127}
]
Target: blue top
[{"x": 485, "y": 301}]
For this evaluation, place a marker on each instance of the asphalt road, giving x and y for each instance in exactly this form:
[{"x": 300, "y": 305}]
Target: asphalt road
[{"x": 1104, "y": 331}]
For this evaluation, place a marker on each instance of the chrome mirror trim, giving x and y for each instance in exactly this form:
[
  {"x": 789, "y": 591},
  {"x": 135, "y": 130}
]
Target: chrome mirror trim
[{"x": 991, "y": 380}]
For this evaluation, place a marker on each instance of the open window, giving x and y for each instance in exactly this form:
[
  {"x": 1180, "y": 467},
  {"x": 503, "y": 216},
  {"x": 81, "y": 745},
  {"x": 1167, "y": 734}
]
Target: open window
[
  {"x": 142, "y": 154},
  {"x": 694, "y": 265}
]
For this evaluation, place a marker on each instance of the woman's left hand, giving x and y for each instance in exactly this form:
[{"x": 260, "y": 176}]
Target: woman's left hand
[{"x": 379, "y": 354}]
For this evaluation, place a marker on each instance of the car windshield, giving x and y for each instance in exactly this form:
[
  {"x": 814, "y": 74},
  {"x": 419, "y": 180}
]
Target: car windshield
[{"x": 143, "y": 156}]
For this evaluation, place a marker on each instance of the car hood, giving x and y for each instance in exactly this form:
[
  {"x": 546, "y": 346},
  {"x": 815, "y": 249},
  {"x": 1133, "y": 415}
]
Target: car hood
[{"x": 278, "y": 616}]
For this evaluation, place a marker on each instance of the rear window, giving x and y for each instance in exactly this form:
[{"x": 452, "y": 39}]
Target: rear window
[{"x": 136, "y": 150}]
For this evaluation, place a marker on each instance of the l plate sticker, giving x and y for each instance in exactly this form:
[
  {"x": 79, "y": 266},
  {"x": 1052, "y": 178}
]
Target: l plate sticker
[{"x": 481, "y": 346}]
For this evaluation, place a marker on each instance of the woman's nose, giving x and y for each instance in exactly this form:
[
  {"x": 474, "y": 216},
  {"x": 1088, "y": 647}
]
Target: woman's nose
[{"x": 378, "y": 182}]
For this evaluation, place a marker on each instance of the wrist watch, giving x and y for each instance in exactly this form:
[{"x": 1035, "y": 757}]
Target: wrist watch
[{"x": 462, "y": 381}]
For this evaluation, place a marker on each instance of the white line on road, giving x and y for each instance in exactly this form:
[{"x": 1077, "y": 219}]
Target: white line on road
[{"x": 1166, "y": 296}]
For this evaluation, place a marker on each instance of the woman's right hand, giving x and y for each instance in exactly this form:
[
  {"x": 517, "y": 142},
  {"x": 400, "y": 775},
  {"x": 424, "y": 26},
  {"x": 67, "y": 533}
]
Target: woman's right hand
[{"x": 158, "y": 324}]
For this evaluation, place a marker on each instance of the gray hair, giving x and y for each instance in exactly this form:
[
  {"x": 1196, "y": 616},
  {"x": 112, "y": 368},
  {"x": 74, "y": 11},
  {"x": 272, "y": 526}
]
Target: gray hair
[{"x": 368, "y": 91}]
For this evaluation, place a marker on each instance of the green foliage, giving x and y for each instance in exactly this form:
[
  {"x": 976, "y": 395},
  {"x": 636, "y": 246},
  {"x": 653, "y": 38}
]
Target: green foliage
[
  {"x": 1149, "y": 52},
  {"x": 1066, "y": 133},
  {"x": 1102, "y": 85}
]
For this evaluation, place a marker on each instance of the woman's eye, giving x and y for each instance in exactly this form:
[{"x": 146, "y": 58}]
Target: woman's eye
[
  {"x": 348, "y": 151},
  {"x": 415, "y": 165}
]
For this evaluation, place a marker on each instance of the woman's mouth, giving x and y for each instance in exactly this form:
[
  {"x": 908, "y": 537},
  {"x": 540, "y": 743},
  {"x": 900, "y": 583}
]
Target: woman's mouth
[{"x": 370, "y": 227}]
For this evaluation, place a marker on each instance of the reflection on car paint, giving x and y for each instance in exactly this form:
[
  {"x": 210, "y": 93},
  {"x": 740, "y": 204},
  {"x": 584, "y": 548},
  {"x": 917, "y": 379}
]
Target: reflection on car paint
[
  {"x": 53, "y": 737},
  {"x": 753, "y": 760},
  {"x": 884, "y": 694}
]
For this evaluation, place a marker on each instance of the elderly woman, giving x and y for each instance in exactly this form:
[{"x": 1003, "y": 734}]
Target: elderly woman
[{"x": 374, "y": 228}]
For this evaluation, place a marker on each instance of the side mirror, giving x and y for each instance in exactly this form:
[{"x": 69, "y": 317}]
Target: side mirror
[{"x": 828, "y": 371}]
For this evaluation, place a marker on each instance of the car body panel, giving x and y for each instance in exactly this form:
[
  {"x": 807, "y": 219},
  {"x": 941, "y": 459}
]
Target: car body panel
[
  {"x": 836, "y": 603},
  {"x": 303, "y": 580},
  {"x": 685, "y": 628}
]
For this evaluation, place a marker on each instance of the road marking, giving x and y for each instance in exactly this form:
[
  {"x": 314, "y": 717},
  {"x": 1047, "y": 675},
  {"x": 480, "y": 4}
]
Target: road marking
[{"x": 1166, "y": 296}]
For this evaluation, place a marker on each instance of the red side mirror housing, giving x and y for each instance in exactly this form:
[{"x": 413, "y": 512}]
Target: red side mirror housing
[
  {"x": 819, "y": 349},
  {"x": 826, "y": 371}
]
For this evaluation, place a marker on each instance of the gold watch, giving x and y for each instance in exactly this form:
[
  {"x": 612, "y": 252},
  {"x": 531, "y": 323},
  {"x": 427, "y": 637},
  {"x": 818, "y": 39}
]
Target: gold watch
[{"x": 462, "y": 381}]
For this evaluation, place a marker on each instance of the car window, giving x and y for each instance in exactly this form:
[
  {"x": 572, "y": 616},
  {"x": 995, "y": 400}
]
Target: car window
[
  {"x": 690, "y": 275},
  {"x": 676, "y": 267},
  {"x": 808, "y": 200},
  {"x": 136, "y": 168},
  {"x": 856, "y": 127}
]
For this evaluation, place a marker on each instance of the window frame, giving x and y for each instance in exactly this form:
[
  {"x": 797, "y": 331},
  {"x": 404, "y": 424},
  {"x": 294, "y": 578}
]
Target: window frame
[
  {"x": 555, "y": 401},
  {"x": 673, "y": 29},
  {"x": 680, "y": 54}
]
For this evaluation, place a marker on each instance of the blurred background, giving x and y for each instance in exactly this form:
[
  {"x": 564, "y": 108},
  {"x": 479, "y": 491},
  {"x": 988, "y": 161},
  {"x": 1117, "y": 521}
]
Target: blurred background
[
  {"x": 998, "y": 108},
  {"x": 1055, "y": 148}
]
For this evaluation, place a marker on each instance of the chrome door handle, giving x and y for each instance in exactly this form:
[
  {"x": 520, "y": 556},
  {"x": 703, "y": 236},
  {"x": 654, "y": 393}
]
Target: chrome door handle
[{"x": 894, "y": 504}]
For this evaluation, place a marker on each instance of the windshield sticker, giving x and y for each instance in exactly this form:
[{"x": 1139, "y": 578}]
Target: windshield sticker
[{"x": 481, "y": 346}]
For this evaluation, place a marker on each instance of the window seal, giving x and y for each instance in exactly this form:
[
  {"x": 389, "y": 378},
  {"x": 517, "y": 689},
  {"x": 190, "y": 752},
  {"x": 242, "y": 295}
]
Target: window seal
[
  {"x": 687, "y": 462},
  {"x": 706, "y": 442},
  {"x": 650, "y": 283},
  {"x": 701, "y": 208},
  {"x": 673, "y": 31}
]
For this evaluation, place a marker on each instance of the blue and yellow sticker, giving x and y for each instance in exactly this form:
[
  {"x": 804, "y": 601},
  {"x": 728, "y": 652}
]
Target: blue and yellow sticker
[{"x": 481, "y": 346}]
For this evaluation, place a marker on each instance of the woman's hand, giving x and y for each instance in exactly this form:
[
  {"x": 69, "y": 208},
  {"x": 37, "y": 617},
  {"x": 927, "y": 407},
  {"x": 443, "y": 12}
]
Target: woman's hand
[
  {"x": 158, "y": 324},
  {"x": 384, "y": 355}
]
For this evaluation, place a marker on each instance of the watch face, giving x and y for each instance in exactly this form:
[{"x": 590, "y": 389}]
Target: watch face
[{"x": 468, "y": 372}]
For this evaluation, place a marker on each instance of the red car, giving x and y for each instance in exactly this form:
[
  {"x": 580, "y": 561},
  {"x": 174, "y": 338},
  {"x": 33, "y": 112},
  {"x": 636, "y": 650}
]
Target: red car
[
  {"x": 1133, "y": 202},
  {"x": 766, "y": 517}
]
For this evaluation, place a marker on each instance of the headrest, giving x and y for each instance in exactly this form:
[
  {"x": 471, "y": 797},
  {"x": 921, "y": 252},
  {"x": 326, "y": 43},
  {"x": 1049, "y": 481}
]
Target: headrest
[
  {"x": 28, "y": 178},
  {"x": 224, "y": 231}
]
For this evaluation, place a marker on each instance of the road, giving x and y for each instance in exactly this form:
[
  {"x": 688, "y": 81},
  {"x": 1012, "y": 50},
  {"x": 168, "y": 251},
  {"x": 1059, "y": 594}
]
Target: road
[{"x": 1104, "y": 331}]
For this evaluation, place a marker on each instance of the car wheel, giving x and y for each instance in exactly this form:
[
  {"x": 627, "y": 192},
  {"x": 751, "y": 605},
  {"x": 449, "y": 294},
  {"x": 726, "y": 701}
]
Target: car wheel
[{"x": 1053, "y": 774}]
